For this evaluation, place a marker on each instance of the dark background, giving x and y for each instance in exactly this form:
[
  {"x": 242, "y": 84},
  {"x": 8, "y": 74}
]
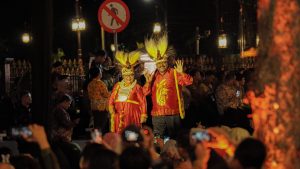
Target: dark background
[{"x": 183, "y": 18}]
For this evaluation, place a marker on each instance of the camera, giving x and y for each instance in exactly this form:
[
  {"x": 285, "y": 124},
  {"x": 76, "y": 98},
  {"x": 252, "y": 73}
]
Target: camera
[
  {"x": 21, "y": 131},
  {"x": 131, "y": 136},
  {"x": 201, "y": 135}
]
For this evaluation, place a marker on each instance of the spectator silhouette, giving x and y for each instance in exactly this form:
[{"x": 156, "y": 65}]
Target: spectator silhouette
[
  {"x": 250, "y": 153},
  {"x": 97, "y": 156},
  {"x": 135, "y": 158}
]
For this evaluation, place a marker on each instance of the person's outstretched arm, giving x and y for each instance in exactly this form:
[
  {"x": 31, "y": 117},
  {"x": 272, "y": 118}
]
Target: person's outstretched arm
[
  {"x": 183, "y": 78},
  {"x": 147, "y": 86},
  {"x": 49, "y": 160}
]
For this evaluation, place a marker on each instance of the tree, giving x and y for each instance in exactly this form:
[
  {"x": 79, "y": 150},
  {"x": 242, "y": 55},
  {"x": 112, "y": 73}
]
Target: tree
[{"x": 276, "y": 98}]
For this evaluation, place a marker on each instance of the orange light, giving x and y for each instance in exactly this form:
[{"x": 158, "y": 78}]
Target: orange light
[
  {"x": 274, "y": 163},
  {"x": 146, "y": 131},
  {"x": 276, "y": 130},
  {"x": 276, "y": 106}
]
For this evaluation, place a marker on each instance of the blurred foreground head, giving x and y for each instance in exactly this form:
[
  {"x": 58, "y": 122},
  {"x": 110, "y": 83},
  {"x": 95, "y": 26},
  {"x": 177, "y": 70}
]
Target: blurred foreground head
[
  {"x": 24, "y": 162},
  {"x": 250, "y": 153},
  {"x": 6, "y": 166},
  {"x": 97, "y": 156},
  {"x": 135, "y": 158},
  {"x": 114, "y": 141}
]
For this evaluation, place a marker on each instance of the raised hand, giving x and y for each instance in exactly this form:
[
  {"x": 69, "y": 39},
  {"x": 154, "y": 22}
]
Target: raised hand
[
  {"x": 143, "y": 118},
  {"x": 179, "y": 66},
  {"x": 96, "y": 136},
  {"x": 220, "y": 140},
  {"x": 38, "y": 135},
  {"x": 111, "y": 110},
  {"x": 202, "y": 156},
  {"x": 148, "y": 76}
]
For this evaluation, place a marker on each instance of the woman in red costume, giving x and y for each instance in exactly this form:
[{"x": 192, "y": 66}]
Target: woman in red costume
[{"x": 127, "y": 103}]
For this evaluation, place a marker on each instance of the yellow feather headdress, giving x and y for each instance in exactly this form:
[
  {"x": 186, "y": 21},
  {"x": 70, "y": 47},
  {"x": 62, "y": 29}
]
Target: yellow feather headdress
[
  {"x": 157, "y": 47},
  {"x": 127, "y": 61}
]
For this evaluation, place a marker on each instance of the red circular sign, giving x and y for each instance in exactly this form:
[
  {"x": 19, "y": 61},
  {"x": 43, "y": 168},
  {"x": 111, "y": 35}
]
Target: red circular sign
[{"x": 113, "y": 15}]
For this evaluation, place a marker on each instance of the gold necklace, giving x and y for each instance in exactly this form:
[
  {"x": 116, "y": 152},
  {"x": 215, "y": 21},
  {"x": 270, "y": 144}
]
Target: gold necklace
[{"x": 124, "y": 91}]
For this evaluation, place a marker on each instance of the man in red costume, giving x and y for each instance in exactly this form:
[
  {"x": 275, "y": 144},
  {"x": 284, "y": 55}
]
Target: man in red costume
[{"x": 165, "y": 87}]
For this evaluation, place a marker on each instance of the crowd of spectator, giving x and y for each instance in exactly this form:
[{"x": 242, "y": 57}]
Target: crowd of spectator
[
  {"x": 137, "y": 148},
  {"x": 216, "y": 132}
]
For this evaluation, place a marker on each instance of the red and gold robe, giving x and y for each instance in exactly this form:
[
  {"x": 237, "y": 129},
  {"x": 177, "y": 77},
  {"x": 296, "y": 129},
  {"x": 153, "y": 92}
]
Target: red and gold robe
[
  {"x": 166, "y": 92},
  {"x": 130, "y": 111}
]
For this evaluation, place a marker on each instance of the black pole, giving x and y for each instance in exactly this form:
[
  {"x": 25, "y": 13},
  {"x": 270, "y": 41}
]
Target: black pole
[
  {"x": 78, "y": 15},
  {"x": 42, "y": 50},
  {"x": 166, "y": 15},
  {"x": 217, "y": 27}
]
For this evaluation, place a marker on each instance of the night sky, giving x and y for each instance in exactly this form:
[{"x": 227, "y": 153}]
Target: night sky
[{"x": 183, "y": 18}]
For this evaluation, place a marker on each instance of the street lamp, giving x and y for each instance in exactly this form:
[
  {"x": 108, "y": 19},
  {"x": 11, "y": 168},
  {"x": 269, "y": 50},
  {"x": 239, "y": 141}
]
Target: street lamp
[
  {"x": 78, "y": 24},
  {"x": 222, "y": 41},
  {"x": 156, "y": 28},
  {"x": 163, "y": 6},
  {"x": 113, "y": 47},
  {"x": 26, "y": 38},
  {"x": 198, "y": 37}
]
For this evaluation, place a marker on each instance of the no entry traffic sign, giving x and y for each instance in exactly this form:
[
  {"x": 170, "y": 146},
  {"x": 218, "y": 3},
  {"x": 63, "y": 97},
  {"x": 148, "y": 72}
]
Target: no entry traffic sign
[{"x": 113, "y": 15}]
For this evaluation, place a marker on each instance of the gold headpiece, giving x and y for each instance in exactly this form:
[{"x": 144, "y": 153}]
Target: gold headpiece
[
  {"x": 127, "y": 61},
  {"x": 157, "y": 47}
]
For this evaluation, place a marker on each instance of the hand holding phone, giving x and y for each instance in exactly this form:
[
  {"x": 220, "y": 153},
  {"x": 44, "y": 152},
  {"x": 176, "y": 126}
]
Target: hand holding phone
[
  {"x": 166, "y": 139},
  {"x": 96, "y": 136},
  {"x": 131, "y": 136},
  {"x": 221, "y": 140},
  {"x": 21, "y": 132},
  {"x": 200, "y": 135},
  {"x": 238, "y": 93}
]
